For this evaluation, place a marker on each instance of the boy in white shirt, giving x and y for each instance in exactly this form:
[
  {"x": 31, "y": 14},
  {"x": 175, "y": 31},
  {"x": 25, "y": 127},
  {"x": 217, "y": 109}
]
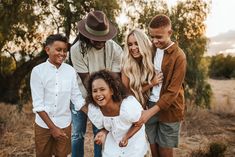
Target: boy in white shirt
[{"x": 53, "y": 84}]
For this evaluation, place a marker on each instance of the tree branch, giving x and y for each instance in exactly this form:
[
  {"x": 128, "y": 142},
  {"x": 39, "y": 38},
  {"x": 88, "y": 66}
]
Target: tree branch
[{"x": 12, "y": 55}]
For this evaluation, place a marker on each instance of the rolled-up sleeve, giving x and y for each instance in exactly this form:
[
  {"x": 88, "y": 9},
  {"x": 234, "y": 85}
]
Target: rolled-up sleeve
[
  {"x": 76, "y": 95},
  {"x": 37, "y": 91}
]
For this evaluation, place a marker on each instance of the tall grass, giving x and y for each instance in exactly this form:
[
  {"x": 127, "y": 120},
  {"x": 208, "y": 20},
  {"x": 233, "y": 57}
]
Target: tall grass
[{"x": 18, "y": 127}]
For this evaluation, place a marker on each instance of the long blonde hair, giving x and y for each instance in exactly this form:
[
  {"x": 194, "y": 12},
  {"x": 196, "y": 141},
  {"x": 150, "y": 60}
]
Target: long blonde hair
[{"x": 138, "y": 73}]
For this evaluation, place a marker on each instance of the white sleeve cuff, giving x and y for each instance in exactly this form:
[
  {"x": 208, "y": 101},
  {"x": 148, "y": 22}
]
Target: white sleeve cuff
[
  {"x": 41, "y": 108},
  {"x": 79, "y": 105}
]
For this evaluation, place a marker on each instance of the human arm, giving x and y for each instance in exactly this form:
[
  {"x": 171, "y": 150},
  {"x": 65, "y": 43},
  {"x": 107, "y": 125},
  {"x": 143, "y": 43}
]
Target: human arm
[
  {"x": 129, "y": 134},
  {"x": 76, "y": 95},
  {"x": 130, "y": 112},
  {"x": 79, "y": 61},
  {"x": 85, "y": 109},
  {"x": 174, "y": 85},
  {"x": 156, "y": 80},
  {"x": 84, "y": 77},
  {"x": 101, "y": 136},
  {"x": 171, "y": 92},
  {"x": 37, "y": 92},
  {"x": 56, "y": 132},
  {"x": 147, "y": 114},
  {"x": 115, "y": 55},
  {"x": 96, "y": 117}
]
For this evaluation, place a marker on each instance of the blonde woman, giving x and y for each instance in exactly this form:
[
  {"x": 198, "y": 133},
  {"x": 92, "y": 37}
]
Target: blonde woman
[{"x": 138, "y": 74}]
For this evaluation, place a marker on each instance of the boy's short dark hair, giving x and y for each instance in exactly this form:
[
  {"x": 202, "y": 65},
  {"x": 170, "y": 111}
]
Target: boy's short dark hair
[
  {"x": 55, "y": 37},
  {"x": 160, "y": 21}
]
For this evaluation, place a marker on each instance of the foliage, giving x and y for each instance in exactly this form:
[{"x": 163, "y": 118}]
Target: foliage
[
  {"x": 18, "y": 43},
  {"x": 65, "y": 14},
  {"x": 222, "y": 66},
  {"x": 17, "y": 20},
  {"x": 24, "y": 26},
  {"x": 139, "y": 14},
  {"x": 216, "y": 149},
  {"x": 189, "y": 31},
  {"x": 6, "y": 65},
  {"x": 25, "y": 23},
  {"x": 19, "y": 37}
]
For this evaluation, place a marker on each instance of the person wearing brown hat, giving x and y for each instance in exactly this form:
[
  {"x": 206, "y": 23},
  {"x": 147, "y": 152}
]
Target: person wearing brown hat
[{"x": 93, "y": 50}]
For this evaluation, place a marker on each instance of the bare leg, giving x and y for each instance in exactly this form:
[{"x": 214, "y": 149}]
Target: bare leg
[
  {"x": 154, "y": 150},
  {"x": 165, "y": 152}
]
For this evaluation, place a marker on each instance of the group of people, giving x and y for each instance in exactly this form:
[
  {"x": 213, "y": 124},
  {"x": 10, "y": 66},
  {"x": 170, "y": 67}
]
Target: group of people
[{"x": 133, "y": 96}]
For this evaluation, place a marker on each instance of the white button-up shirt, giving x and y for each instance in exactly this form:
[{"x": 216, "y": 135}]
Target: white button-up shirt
[{"x": 52, "y": 89}]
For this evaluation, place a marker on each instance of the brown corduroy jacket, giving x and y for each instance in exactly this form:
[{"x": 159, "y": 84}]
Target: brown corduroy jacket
[{"x": 171, "y": 102}]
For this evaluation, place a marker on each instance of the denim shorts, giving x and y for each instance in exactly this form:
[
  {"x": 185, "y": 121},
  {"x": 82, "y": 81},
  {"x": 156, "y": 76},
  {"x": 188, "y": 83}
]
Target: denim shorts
[{"x": 166, "y": 135}]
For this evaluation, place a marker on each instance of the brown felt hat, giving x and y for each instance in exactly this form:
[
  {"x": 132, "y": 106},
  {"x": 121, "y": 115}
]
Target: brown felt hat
[{"x": 97, "y": 27}]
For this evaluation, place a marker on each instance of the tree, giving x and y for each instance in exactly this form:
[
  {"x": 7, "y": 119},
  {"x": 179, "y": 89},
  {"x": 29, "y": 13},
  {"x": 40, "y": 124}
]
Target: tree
[
  {"x": 222, "y": 66},
  {"x": 189, "y": 31},
  {"x": 17, "y": 45},
  {"x": 188, "y": 22},
  {"x": 65, "y": 13},
  {"x": 24, "y": 26}
]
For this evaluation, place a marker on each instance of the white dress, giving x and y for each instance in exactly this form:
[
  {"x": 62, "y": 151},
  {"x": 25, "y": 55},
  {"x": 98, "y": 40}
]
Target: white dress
[{"x": 118, "y": 126}]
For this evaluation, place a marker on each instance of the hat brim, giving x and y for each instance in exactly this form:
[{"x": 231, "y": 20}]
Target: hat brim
[{"x": 112, "y": 32}]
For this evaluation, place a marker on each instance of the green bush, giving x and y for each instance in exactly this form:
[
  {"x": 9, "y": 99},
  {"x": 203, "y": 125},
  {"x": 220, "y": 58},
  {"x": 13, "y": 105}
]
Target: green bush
[{"x": 222, "y": 67}]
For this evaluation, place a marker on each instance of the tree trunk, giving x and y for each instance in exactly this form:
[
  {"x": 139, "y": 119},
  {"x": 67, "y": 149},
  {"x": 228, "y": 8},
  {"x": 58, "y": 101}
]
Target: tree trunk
[{"x": 10, "y": 85}]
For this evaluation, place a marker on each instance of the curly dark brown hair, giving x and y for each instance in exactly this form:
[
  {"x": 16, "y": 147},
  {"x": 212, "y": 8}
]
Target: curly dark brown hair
[{"x": 114, "y": 83}]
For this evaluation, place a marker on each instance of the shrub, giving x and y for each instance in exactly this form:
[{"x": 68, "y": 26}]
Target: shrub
[
  {"x": 215, "y": 149},
  {"x": 222, "y": 67}
]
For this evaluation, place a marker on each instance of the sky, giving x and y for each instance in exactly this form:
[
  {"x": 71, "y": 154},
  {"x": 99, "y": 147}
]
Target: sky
[{"x": 220, "y": 27}]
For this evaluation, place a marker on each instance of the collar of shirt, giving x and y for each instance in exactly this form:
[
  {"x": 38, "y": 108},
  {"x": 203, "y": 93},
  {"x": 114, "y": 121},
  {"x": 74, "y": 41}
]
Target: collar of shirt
[
  {"x": 52, "y": 65},
  {"x": 170, "y": 48},
  {"x": 52, "y": 89}
]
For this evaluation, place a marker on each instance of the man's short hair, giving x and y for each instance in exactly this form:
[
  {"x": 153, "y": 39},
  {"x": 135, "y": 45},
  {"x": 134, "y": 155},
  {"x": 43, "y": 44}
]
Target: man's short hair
[
  {"x": 160, "y": 21},
  {"x": 55, "y": 37}
]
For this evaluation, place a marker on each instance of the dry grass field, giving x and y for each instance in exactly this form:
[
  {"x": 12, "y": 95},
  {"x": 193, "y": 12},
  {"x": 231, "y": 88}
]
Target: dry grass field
[{"x": 200, "y": 127}]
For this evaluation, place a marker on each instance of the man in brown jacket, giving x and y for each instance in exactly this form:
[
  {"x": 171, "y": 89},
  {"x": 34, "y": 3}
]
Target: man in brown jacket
[{"x": 166, "y": 103}]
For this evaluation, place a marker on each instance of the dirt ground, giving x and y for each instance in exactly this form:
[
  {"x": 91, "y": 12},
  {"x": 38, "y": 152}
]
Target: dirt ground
[{"x": 200, "y": 127}]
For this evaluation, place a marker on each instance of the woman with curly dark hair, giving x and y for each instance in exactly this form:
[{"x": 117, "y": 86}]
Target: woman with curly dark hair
[{"x": 111, "y": 108}]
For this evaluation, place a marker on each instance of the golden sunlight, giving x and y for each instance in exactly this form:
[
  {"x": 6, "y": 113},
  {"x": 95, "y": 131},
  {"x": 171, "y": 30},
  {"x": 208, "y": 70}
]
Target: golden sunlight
[{"x": 122, "y": 19}]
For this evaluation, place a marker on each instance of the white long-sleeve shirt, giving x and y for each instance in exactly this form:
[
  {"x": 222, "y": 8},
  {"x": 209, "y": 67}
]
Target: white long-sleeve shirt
[{"x": 52, "y": 89}]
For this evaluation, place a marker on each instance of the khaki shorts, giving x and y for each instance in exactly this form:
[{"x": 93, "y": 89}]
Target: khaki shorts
[
  {"x": 46, "y": 145},
  {"x": 166, "y": 135}
]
